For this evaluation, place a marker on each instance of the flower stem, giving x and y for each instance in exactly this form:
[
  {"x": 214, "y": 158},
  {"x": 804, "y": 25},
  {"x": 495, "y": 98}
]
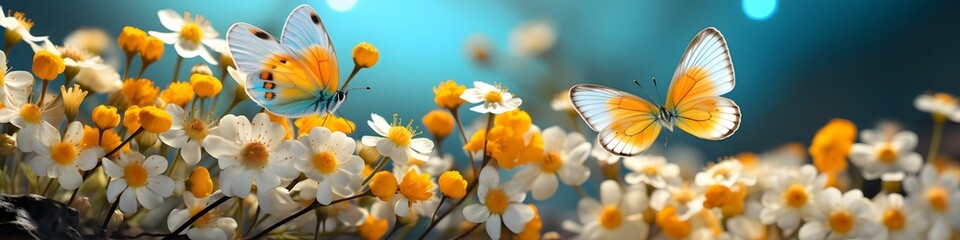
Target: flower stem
[
  {"x": 106, "y": 220},
  {"x": 43, "y": 92},
  {"x": 383, "y": 161},
  {"x": 580, "y": 191},
  {"x": 938, "y": 122},
  {"x": 305, "y": 210},
  {"x": 434, "y": 216},
  {"x": 464, "y": 234},
  {"x": 143, "y": 68},
  {"x": 353, "y": 73},
  {"x": 197, "y": 216},
  {"x": 463, "y": 136},
  {"x": 176, "y": 68},
  {"x": 126, "y": 68}
]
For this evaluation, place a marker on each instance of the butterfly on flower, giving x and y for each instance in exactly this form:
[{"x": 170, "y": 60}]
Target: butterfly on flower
[
  {"x": 628, "y": 125},
  {"x": 295, "y": 75}
]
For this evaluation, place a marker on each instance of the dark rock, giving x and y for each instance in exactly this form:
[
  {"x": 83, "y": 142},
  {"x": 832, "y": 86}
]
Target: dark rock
[{"x": 34, "y": 217}]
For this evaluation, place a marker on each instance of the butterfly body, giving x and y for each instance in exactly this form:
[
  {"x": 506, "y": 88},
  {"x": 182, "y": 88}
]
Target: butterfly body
[
  {"x": 293, "y": 76},
  {"x": 628, "y": 125}
]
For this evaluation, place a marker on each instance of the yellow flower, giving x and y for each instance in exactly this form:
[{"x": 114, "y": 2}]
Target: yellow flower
[
  {"x": 452, "y": 184},
  {"x": 205, "y": 85},
  {"x": 447, "y": 95},
  {"x": 518, "y": 120},
  {"x": 365, "y": 55},
  {"x": 130, "y": 39},
  {"x": 717, "y": 195},
  {"x": 531, "y": 230},
  {"x": 383, "y": 185},
  {"x": 140, "y": 92},
  {"x": 47, "y": 66},
  {"x": 283, "y": 121},
  {"x": 110, "y": 140},
  {"x": 373, "y": 228},
  {"x": 832, "y": 144},
  {"x": 672, "y": 225},
  {"x": 71, "y": 100},
  {"x": 155, "y": 120},
  {"x": 416, "y": 187},
  {"x": 105, "y": 117},
  {"x": 131, "y": 118},
  {"x": 329, "y": 121},
  {"x": 439, "y": 123},
  {"x": 151, "y": 49},
  {"x": 179, "y": 93},
  {"x": 507, "y": 146},
  {"x": 200, "y": 183}
]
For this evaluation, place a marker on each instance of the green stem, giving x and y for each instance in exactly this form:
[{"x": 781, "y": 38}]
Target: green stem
[
  {"x": 383, "y": 161},
  {"x": 126, "y": 68},
  {"x": 938, "y": 122},
  {"x": 464, "y": 234},
  {"x": 312, "y": 206},
  {"x": 43, "y": 92},
  {"x": 176, "y": 68},
  {"x": 353, "y": 73},
  {"x": 106, "y": 220}
]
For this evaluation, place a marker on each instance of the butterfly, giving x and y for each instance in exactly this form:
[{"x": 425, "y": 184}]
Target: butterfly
[
  {"x": 295, "y": 75},
  {"x": 628, "y": 125}
]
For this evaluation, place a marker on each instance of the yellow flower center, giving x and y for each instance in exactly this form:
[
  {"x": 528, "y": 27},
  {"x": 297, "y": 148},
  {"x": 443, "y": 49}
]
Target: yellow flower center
[
  {"x": 493, "y": 97},
  {"x": 22, "y": 18},
  {"x": 73, "y": 53},
  {"x": 551, "y": 162},
  {"x": 650, "y": 170},
  {"x": 206, "y": 219},
  {"x": 30, "y": 113},
  {"x": 254, "y": 155},
  {"x": 191, "y": 32},
  {"x": 894, "y": 219},
  {"x": 610, "y": 217},
  {"x": 63, "y": 153},
  {"x": 683, "y": 195},
  {"x": 196, "y": 130},
  {"x": 721, "y": 172},
  {"x": 887, "y": 154},
  {"x": 416, "y": 187},
  {"x": 841, "y": 222},
  {"x": 795, "y": 196},
  {"x": 497, "y": 201},
  {"x": 135, "y": 174},
  {"x": 325, "y": 162},
  {"x": 944, "y": 98},
  {"x": 400, "y": 136},
  {"x": 937, "y": 197}
]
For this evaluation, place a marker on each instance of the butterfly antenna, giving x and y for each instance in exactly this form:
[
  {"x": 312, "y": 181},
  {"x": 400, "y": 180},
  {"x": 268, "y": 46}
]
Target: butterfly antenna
[
  {"x": 358, "y": 88},
  {"x": 657, "y": 88},
  {"x": 643, "y": 89},
  {"x": 352, "y": 128}
]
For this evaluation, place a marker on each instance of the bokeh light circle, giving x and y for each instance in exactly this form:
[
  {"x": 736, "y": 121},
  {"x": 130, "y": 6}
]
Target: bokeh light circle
[
  {"x": 342, "y": 5},
  {"x": 759, "y": 9}
]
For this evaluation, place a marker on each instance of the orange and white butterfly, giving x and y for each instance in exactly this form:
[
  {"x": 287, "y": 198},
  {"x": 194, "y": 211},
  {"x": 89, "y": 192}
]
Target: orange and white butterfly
[
  {"x": 295, "y": 75},
  {"x": 628, "y": 125}
]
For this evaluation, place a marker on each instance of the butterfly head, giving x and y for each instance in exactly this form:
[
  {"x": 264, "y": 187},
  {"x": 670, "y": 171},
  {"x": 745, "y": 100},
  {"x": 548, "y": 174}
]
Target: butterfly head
[
  {"x": 667, "y": 118},
  {"x": 339, "y": 97}
]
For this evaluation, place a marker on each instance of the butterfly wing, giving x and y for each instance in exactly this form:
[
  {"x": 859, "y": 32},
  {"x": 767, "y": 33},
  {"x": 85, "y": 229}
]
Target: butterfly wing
[
  {"x": 704, "y": 73},
  {"x": 276, "y": 75},
  {"x": 305, "y": 33},
  {"x": 627, "y": 124}
]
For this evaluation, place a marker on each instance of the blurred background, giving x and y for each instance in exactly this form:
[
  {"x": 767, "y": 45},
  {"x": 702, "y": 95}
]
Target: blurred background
[{"x": 798, "y": 63}]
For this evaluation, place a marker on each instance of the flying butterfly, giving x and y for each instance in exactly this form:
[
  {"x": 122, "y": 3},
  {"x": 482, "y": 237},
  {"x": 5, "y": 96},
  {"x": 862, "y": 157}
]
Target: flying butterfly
[
  {"x": 628, "y": 125},
  {"x": 295, "y": 75}
]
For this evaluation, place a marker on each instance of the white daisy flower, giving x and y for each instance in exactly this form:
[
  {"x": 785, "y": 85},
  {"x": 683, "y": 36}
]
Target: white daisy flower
[
  {"x": 32, "y": 119},
  {"x": 102, "y": 80},
  {"x": 937, "y": 197},
  {"x": 15, "y": 84},
  {"x": 189, "y": 35},
  {"x": 615, "y": 216},
  {"x": 65, "y": 158},
  {"x": 72, "y": 57},
  {"x": 603, "y": 156},
  {"x": 896, "y": 217},
  {"x": 939, "y": 104},
  {"x": 211, "y": 225},
  {"x": 563, "y": 157},
  {"x": 532, "y": 39},
  {"x": 251, "y": 154},
  {"x": 747, "y": 225},
  {"x": 187, "y": 133},
  {"x": 650, "y": 170},
  {"x": 685, "y": 198},
  {"x": 499, "y": 204},
  {"x": 341, "y": 214},
  {"x": 18, "y": 27},
  {"x": 727, "y": 173},
  {"x": 330, "y": 161},
  {"x": 886, "y": 156},
  {"x": 791, "y": 197},
  {"x": 847, "y": 216},
  {"x": 494, "y": 99},
  {"x": 140, "y": 180},
  {"x": 417, "y": 193},
  {"x": 397, "y": 141}
]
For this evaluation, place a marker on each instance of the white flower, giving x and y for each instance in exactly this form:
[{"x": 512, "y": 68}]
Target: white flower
[
  {"x": 937, "y": 197},
  {"x": 139, "y": 180},
  {"x": 849, "y": 216},
  {"x": 562, "y": 103},
  {"x": 65, "y": 158},
  {"x": 16, "y": 84},
  {"x": 563, "y": 157},
  {"x": 618, "y": 215},
  {"x": 19, "y": 25},
  {"x": 210, "y": 226},
  {"x": 189, "y": 35},
  {"x": 32, "y": 119},
  {"x": 437, "y": 165},
  {"x": 686, "y": 199},
  {"x": 102, "y": 80},
  {"x": 603, "y": 156},
  {"x": 896, "y": 217},
  {"x": 417, "y": 193},
  {"x": 727, "y": 173},
  {"x": 396, "y": 141},
  {"x": 886, "y": 156},
  {"x": 791, "y": 197},
  {"x": 495, "y": 99},
  {"x": 251, "y": 153},
  {"x": 90, "y": 39},
  {"x": 72, "y": 57},
  {"x": 650, "y": 170},
  {"x": 345, "y": 213},
  {"x": 187, "y": 133},
  {"x": 747, "y": 225},
  {"x": 532, "y": 39},
  {"x": 328, "y": 159},
  {"x": 941, "y": 104},
  {"x": 499, "y": 204}
]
